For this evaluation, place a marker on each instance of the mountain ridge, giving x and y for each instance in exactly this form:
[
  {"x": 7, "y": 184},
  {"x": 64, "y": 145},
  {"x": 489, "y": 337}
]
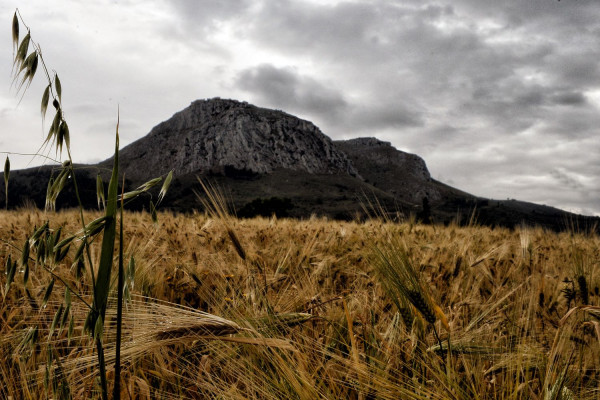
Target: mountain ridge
[
  {"x": 268, "y": 161},
  {"x": 215, "y": 134}
]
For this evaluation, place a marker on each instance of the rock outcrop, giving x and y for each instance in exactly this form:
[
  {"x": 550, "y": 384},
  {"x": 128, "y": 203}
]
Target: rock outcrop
[
  {"x": 231, "y": 137},
  {"x": 402, "y": 174}
]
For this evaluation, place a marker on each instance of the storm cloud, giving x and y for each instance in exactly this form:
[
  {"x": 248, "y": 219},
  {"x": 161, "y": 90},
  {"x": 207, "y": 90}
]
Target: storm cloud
[
  {"x": 286, "y": 89},
  {"x": 502, "y": 99}
]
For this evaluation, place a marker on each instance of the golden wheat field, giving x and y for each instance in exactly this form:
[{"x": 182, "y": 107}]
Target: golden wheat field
[{"x": 223, "y": 308}]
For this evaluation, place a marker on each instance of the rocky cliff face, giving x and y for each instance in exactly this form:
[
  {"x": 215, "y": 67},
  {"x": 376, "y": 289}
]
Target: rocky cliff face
[
  {"x": 383, "y": 154},
  {"x": 228, "y": 136},
  {"x": 402, "y": 174}
]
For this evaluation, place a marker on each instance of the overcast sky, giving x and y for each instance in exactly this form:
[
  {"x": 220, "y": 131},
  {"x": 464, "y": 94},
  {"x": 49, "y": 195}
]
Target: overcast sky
[{"x": 501, "y": 98}]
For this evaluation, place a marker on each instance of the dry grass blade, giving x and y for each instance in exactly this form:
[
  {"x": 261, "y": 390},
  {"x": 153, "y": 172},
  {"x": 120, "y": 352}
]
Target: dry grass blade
[
  {"x": 6, "y": 170},
  {"x": 279, "y": 321},
  {"x": 45, "y": 99},
  {"x": 150, "y": 325},
  {"x": 64, "y": 136},
  {"x": 22, "y": 52},
  {"x": 6, "y": 176},
  {"x": 204, "y": 328},
  {"x": 143, "y": 188},
  {"x": 489, "y": 309},
  {"x": 165, "y": 187},
  {"x": 15, "y": 31},
  {"x": 593, "y": 310},
  {"x": 400, "y": 278},
  {"x": 466, "y": 347},
  {"x": 216, "y": 206},
  {"x": 10, "y": 270},
  {"x": 58, "y": 87},
  {"x": 215, "y": 202},
  {"x": 527, "y": 356},
  {"x": 100, "y": 192},
  {"x": 273, "y": 343},
  {"x": 55, "y": 186},
  {"x": 28, "y": 68},
  {"x": 596, "y": 325}
]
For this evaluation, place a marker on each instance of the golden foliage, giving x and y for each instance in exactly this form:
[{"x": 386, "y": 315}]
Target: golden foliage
[{"x": 304, "y": 314}]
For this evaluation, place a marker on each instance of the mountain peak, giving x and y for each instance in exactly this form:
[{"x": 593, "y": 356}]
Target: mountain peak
[
  {"x": 217, "y": 135},
  {"x": 404, "y": 174},
  {"x": 368, "y": 142}
]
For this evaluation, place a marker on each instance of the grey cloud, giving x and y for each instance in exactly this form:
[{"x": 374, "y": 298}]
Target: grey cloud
[
  {"x": 571, "y": 27},
  {"x": 287, "y": 88},
  {"x": 570, "y": 99},
  {"x": 517, "y": 13},
  {"x": 382, "y": 116},
  {"x": 494, "y": 94},
  {"x": 290, "y": 90},
  {"x": 575, "y": 67},
  {"x": 202, "y": 15},
  {"x": 440, "y": 67},
  {"x": 539, "y": 96},
  {"x": 520, "y": 180},
  {"x": 568, "y": 123},
  {"x": 436, "y": 11},
  {"x": 534, "y": 97},
  {"x": 567, "y": 180},
  {"x": 347, "y": 29},
  {"x": 536, "y": 167},
  {"x": 192, "y": 27}
]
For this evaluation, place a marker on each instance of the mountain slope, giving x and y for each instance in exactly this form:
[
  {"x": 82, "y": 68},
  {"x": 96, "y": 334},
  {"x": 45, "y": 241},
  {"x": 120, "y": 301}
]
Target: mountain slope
[
  {"x": 402, "y": 174},
  {"x": 267, "y": 161},
  {"x": 231, "y": 137}
]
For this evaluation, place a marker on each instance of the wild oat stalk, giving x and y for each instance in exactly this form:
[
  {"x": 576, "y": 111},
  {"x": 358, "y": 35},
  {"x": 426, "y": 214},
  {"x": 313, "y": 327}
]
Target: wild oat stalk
[{"x": 52, "y": 251}]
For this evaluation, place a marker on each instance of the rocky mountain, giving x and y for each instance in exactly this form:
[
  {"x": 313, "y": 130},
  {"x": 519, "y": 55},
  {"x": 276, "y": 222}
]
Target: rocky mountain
[
  {"x": 232, "y": 137},
  {"x": 404, "y": 175},
  {"x": 267, "y": 161}
]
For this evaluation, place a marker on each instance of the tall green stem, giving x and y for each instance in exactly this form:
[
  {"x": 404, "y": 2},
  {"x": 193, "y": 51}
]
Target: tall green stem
[{"x": 120, "y": 279}]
